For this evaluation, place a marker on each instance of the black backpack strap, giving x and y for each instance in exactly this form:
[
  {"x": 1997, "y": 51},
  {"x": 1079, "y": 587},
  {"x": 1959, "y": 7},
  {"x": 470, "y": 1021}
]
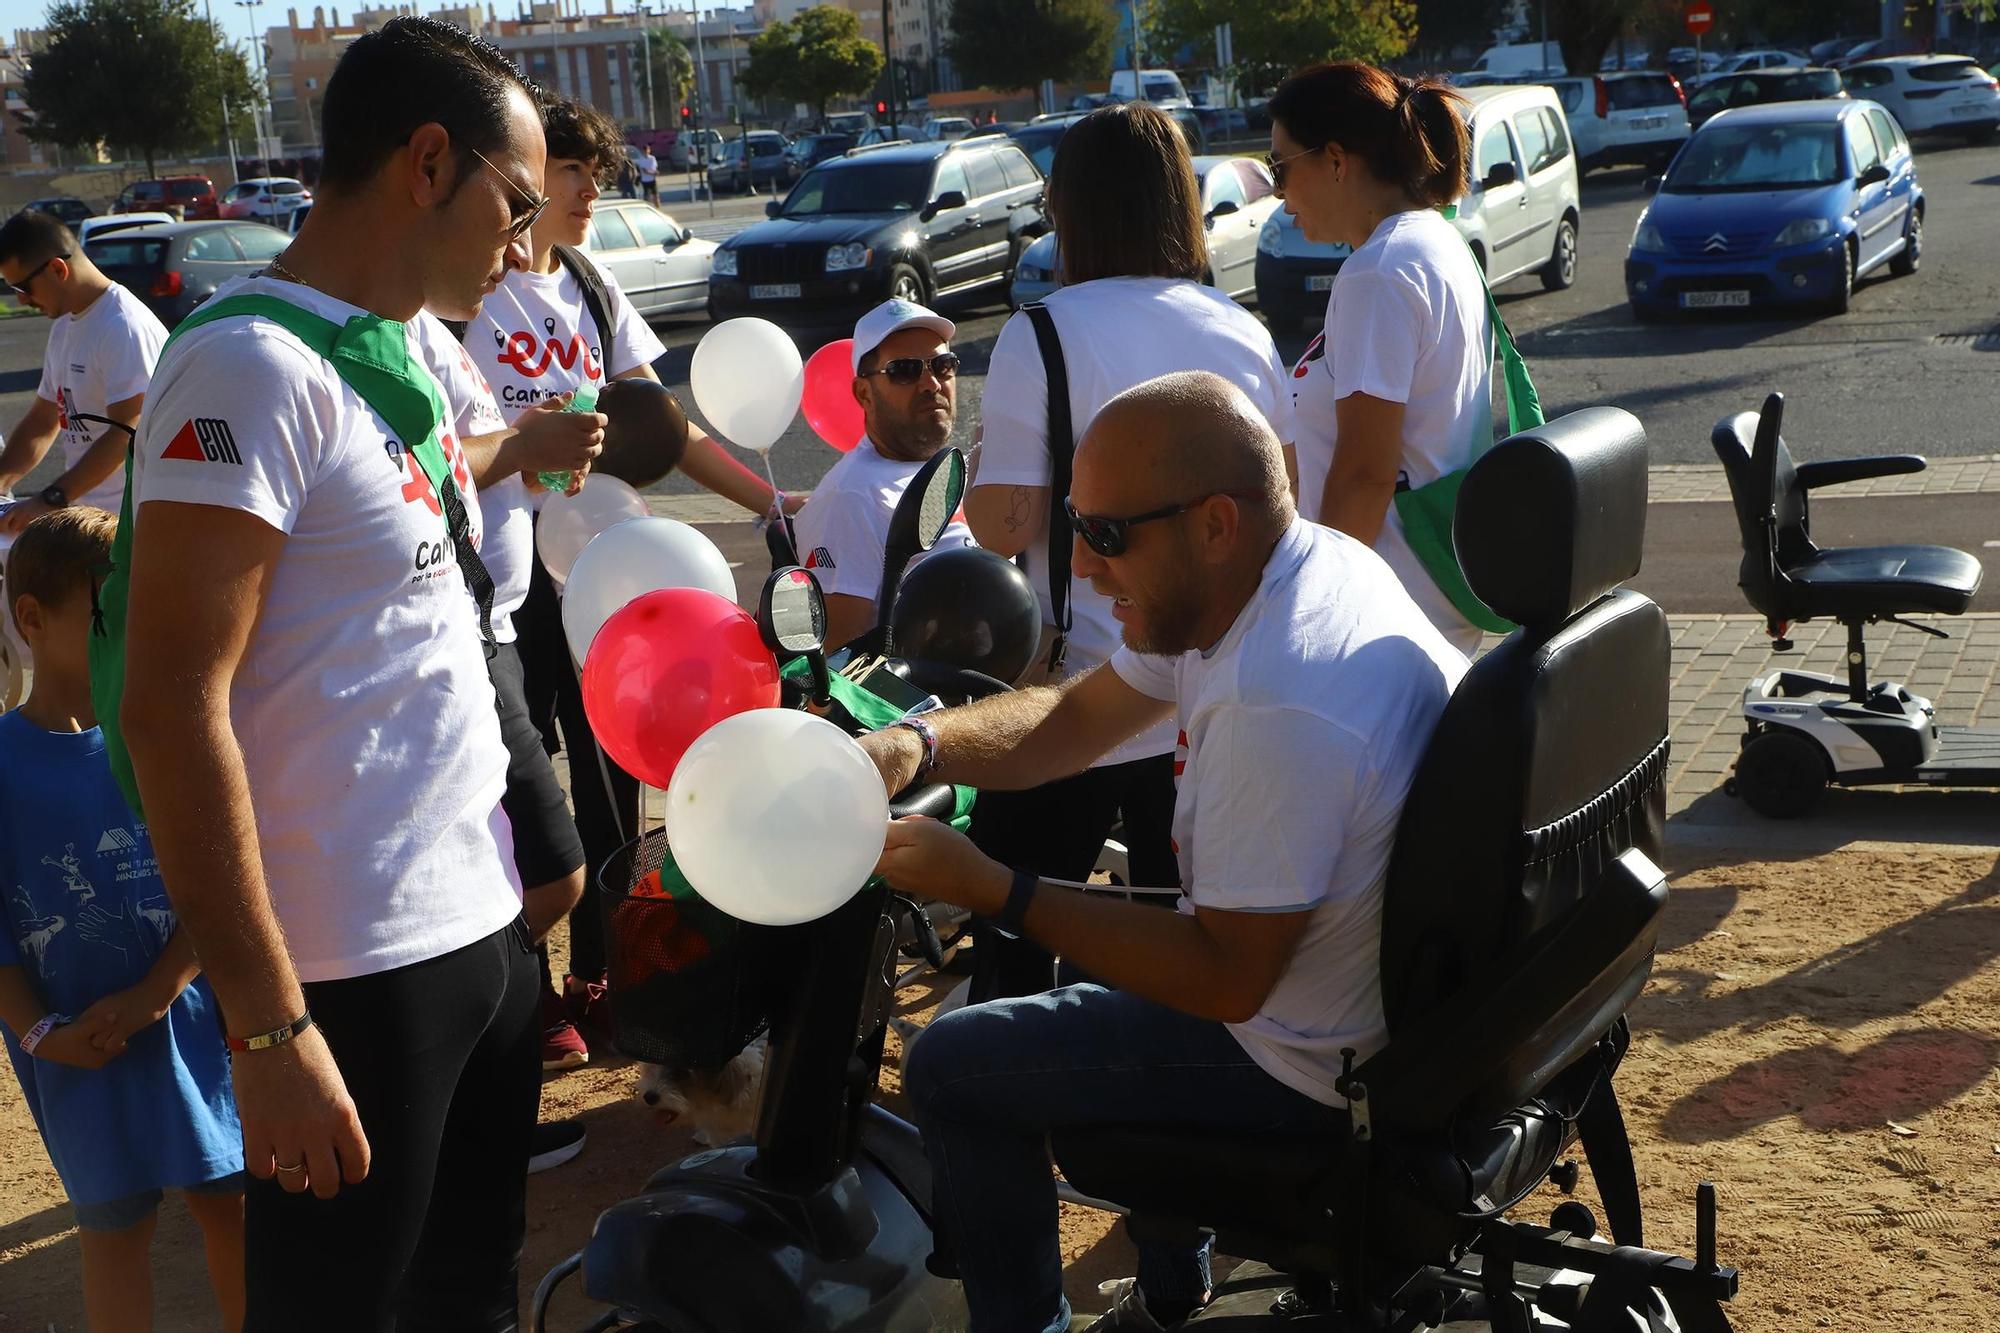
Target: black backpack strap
[
  {"x": 1062, "y": 447},
  {"x": 596, "y": 297}
]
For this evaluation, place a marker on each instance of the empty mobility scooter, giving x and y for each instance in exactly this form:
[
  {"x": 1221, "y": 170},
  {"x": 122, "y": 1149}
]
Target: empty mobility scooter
[
  {"x": 1804, "y": 729},
  {"x": 1520, "y": 919}
]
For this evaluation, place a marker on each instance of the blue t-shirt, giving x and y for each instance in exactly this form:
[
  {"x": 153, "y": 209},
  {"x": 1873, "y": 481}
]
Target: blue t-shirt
[{"x": 85, "y": 914}]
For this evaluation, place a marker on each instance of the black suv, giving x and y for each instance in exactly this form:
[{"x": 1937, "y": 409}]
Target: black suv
[{"x": 915, "y": 220}]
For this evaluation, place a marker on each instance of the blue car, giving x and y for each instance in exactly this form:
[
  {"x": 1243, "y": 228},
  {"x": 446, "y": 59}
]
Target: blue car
[{"x": 1785, "y": 204}]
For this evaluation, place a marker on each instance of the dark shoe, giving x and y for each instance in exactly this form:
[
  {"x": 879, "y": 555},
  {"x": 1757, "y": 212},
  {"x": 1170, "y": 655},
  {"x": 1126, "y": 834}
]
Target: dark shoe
[{"x": 554, "y": 1142}]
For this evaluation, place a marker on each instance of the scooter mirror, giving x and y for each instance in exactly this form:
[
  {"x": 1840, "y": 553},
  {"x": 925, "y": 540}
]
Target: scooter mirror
[
  {"x": 791, "y": 613},
  {"x": 943, "y": 490},
  {"x": 921, "y": 517}
]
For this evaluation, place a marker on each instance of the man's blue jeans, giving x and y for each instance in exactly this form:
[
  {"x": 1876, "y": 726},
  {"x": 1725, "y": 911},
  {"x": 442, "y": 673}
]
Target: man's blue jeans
[{"x": 990, "y": 1081}]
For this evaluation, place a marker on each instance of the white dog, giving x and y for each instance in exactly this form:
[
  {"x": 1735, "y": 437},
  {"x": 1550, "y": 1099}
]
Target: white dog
[{"x": 720, "y": 1104}]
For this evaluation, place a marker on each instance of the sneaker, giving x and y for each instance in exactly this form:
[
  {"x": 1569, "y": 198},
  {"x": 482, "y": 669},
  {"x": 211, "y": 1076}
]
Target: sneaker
[
  {"x": 1128, "y": 1313},
  {"x": 588, "y": 1005},
  {"x": 562, "y": 1045},
  {"x": 554, "y": 1142}
]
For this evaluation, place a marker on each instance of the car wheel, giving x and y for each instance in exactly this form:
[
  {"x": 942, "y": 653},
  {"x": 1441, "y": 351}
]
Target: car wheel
[
  {"x": 1904, "y": 264},
  {"x": 1843, "y": 295},
  {"x": 1560, "y": 272},
  {"x": 906, "y": 284}
]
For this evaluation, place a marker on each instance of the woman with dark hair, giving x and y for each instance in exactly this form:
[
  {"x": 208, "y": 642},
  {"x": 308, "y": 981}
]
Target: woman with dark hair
[
  {"x": 1398, "y": 391},
  {"x": 1132, "y": 250}
]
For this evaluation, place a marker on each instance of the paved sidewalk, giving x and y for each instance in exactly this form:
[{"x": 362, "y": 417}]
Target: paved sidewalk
[{"x": 1680, "y": 482}]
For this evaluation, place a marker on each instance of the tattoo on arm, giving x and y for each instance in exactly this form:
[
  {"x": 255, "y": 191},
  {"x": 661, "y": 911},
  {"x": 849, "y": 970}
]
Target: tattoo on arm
[{"x": 1018, "y": 507}]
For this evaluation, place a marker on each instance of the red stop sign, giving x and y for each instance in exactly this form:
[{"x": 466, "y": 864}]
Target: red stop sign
[{"x": 1700, "y": 18}]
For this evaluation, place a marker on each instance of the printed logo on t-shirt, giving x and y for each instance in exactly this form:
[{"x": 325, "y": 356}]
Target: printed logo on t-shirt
[
  {"x": 820, "y": 558},
  {"x": 530, "y": 357},
  {"x": 116, "y": 840},
  {"x": 204, "y": 440},
  {"x": 1180, "y": 754},
  {"x": 1315, "y": 350}
]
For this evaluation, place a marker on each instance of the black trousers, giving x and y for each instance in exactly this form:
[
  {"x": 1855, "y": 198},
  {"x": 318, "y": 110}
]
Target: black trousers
[
  {"x": 604, "y": 796},
  {"x": 1056, "y": 831},
  {"x": 442, "y": 1061}
]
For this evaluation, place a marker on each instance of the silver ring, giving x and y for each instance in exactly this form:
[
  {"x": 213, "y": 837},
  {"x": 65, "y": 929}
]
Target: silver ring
[{"x": 288, "y": 1170}]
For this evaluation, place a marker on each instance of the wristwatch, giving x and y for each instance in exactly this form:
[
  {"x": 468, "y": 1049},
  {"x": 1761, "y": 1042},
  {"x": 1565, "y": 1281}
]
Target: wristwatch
[{"x": 52, "y": 495}]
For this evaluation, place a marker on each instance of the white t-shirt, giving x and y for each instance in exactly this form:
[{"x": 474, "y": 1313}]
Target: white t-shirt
[
  {"x": 649, "y": 167},
  {"x": 843, "y": 528},
  {"x": 102, "y": 356},
  {"x": 534, "y": 338},
  {"x": 362, "y": 705},
  {"x": 1116, "y": 333},
  {"x": 1301, "y": 731},
  {"x": 504, "y": 509},
  {"x": 1406, "y": 323}
]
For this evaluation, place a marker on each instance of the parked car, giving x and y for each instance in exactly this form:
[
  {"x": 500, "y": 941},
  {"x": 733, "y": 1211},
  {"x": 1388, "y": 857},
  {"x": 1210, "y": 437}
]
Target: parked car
[
  {"x": 691, "y": 148},
  {"x": 660, "y": 266},
  {"x": 1519, "y": 58},
  {"x": 1782, "y": 84},
  {"x": 192, "y": 196},
  {"x": 1294, "y": 275},
  {"x": 1761, "y": 58},
  {"x": 1778, "y": 205},
  {"x": 173, "y": 267},
  {"x": 1039, "y": 137},
  {"x": 1902, "y": 44},
  {"x": 847, "y": 122},
  {"x": 1161, "y": 87},
  {"x": 1226, "y": 125},
  {"x": 100, "y": 226},
  {"x": 809, "y": 150},
  {"x": 947, "y": 129},
  {"x": 298, "y": 221},
  {"x": 756, "y": 158},
  {"x": 1931, "y": 94},
  {"x": 70, "y": 212},
  {"x": 1237, "y": 200},
  {"x": 271, "y": 199},
  {"x": 901, "y": 132},
  {"x": 916, "y": 221},
  {"x": 1521, "y": 212},
  {"x": 1633, "y": 118},
  {"x": 1834, "y": 47}
]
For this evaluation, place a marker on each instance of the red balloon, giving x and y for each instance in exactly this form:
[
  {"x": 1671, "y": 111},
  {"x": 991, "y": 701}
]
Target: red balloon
[
  {"x": 665, "y": 668},
  {"x": 829, "y": 399}
]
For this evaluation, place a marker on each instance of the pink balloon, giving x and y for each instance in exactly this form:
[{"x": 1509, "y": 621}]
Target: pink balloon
[{"x": 829, "y": 402}]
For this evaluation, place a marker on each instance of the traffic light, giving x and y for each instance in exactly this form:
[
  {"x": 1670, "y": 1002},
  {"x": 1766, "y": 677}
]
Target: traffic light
[
  {"x": 881, "y": 108},
  {"x": 687, "y": 116}
]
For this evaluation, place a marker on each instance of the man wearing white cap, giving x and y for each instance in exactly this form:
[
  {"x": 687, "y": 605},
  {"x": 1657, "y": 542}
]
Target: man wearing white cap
[{"x": 906, "y": 380}]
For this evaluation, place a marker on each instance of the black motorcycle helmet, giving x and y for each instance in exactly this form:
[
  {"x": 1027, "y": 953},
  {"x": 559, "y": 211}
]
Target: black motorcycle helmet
[{"x": 968, "y": 608}]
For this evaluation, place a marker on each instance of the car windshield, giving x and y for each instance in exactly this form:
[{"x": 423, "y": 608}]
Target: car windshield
[
  {"x": 1804, "y": 86},
  {"x": 1159, "y": 90},
  {"x": 851, "y": 187},
  {"x": 1757, "y": 157}
]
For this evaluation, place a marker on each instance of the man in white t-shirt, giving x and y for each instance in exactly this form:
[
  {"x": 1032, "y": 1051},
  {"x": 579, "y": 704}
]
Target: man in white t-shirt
[
  {"x": 649, "y": 175},
  {"x": 1305, "y": 683},
  {"x": 98, "y": 363},
  {"x": 311, "y": 722},
  {"x": 906, "y": 380}
]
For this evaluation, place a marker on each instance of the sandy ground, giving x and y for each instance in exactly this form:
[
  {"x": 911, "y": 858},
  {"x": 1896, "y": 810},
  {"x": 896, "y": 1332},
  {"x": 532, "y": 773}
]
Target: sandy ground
[{"x": 1819, "y": 1039}]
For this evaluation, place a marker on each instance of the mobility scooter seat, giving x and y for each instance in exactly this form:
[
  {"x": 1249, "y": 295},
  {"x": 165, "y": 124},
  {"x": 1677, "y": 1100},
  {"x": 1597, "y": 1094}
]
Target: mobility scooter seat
[{"x": 1519, "y": 916}]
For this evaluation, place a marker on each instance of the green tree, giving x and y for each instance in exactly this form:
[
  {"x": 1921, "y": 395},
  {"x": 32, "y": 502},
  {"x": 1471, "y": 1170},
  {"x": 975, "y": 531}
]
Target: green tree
[
  {"x": 1273, "y": 39},
  {"x": 673, "y": 74},
  {"x": 146, "y": 76},
  {"x": 814, "y": 58},
  {"x": 1007, "y": 44}
]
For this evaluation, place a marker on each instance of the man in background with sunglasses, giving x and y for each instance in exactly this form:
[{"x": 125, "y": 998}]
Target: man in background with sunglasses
[
  {"x": 99, "y": 360},
  {"x": 906, "y": 380},
  {"x": 1306, "y": 684}
]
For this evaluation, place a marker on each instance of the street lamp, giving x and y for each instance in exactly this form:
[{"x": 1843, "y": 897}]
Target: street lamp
[
  {"x": 257, "y": 49},
  {"x": 645, "y": 14}
]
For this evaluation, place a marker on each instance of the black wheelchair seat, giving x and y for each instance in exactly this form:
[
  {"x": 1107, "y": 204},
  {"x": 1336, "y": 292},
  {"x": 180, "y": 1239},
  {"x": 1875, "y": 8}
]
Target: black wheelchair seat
[
  {"x": 1784, "y": 575},
  {"x": 1519, "y": 916}
]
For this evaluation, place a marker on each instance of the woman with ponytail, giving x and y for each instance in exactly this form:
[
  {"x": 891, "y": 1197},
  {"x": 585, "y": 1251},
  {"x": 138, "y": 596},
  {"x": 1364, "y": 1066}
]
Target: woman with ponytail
[{"x": 1398, "y": 391}]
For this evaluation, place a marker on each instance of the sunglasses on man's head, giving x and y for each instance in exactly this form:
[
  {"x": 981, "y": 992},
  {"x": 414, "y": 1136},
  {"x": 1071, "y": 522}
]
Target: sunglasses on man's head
[
  {"x": 1108, "y": 536},
  {"x": 22, "y": 286},
  {"x": 907, "y": 370}
]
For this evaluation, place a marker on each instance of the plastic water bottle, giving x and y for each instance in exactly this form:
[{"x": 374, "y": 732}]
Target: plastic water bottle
[{"x": 583, "y": 400}]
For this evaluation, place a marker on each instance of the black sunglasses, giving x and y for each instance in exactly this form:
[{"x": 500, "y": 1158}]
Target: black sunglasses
[
  {"x": 907, "y": 370},
  {"x": 1108, "y": 536},
  {"x": 1278, "y": 164},
  {"x": 521, "y": 225},
  {"x": 33, "y": 273}
]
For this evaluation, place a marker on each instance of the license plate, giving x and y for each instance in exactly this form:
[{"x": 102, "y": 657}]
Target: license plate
[
  {"x": 1708, "y": 300},
  {"x": 1320, "y": 282},
  {"x": 1970, "y": 110},
  {"x": 1649, "y": 122},
  {"x": 775, "y": 291}
]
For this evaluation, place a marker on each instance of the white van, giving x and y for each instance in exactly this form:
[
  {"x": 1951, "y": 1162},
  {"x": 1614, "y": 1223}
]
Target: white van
[
  {"x": 1520, "y": 213},
  {"x": 1518, "y": 58},
  {"x": 1161, "y": 87}
]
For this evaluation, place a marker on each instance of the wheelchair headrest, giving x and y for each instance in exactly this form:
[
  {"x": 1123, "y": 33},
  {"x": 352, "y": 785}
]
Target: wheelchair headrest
[{"x": 1553, "y": 518}]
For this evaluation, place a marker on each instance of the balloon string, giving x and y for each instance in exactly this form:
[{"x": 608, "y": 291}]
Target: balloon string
[{"x": 777, "y": 500}]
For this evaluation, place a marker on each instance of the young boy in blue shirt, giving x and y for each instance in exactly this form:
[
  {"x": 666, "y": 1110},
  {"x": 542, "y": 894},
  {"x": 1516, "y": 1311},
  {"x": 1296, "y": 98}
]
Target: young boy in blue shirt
[{"x": 114, "y": 1037}]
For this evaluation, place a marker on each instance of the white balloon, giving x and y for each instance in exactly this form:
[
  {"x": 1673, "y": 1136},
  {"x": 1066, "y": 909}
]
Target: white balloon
[
  {"x": 569, "y": 522},
  {"x": 748, "y": 381},
  {"x": 631, "y": 559},
  {"x": 776, "y": 816}
]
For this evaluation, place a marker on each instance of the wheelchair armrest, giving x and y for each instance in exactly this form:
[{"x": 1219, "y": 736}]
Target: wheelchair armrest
[
  {"x": 1511, "y": 1028},
  {"x": 1836, "y": 471}
]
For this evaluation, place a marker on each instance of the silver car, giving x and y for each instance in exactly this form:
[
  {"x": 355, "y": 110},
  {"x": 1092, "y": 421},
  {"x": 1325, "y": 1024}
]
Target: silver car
[
  {"x": 1237, "y": 199},
  {"x": 661, "y": 266}
]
